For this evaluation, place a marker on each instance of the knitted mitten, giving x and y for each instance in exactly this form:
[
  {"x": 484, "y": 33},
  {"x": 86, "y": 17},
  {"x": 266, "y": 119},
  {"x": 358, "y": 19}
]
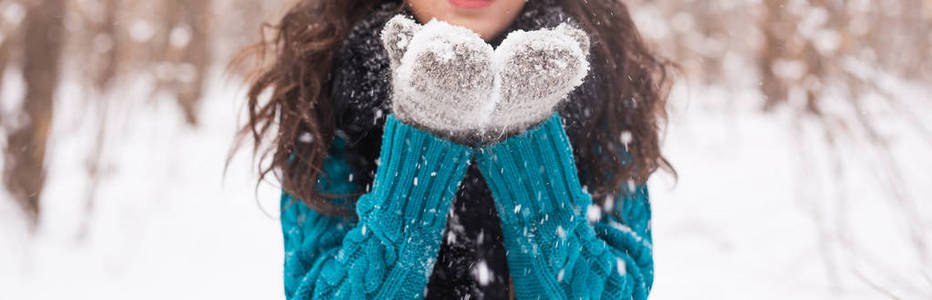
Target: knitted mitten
[
  {"x": 538, "y": 69},
  {"x": 447, "y": 80},
  {"x": 442, "y": 76}
]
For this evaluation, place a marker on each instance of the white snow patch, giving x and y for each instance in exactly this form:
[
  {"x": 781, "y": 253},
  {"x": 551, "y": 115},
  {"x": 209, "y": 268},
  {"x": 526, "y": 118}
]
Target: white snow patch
[
  {"x": 622, "y": 267},
  {"x": 593, "y": 213},
  {"x": 306, "y": 138},
  {"x": 482, "y": 273}
]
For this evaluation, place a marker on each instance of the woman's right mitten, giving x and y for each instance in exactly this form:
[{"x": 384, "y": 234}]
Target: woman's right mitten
[{"x": 442, "y": 76}]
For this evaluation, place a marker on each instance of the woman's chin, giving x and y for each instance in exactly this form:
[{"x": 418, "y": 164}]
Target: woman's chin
[
  {"x": 485, "y": 17},
  {"x": 476, "y": 25}
]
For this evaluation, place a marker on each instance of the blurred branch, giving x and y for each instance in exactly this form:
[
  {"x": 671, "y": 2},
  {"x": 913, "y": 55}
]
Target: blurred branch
[
  {"x": 95, "y": 164},
  {"x": 875, "y": 286},
  {"x": 10, "y": 36}
]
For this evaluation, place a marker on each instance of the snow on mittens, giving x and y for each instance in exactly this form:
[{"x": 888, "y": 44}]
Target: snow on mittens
[{"x": 446, "y": 79}]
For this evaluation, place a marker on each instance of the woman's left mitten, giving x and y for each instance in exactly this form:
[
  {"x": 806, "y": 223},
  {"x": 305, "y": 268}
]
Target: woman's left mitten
[{"x": 538, "y": 69}]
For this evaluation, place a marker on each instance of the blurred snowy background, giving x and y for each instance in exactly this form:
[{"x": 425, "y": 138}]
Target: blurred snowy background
[{"x": 801, "y": 130}]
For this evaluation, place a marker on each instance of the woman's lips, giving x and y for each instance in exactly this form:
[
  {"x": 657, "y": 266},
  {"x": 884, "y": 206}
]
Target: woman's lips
[{"x": 471, "y": 4}]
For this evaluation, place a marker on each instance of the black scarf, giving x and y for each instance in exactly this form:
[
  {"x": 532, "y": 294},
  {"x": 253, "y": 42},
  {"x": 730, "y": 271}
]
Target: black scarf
[{"x": 361, "y": 93}]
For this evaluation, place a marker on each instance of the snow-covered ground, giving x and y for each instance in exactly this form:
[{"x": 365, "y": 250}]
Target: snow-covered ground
[
  {"x": 752, "y": 216},
  {"x": 759, "y": 212},
  {"x": 167, "y": 223}
]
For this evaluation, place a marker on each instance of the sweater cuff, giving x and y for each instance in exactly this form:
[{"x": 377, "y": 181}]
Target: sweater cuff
[
  {"x": 541, "y": 205},
  {"x": 417, "y": 177},
  {"x": 533, "y": 177}
]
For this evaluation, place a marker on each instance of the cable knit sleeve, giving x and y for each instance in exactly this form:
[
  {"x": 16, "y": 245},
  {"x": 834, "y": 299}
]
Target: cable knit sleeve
[
  {"x": 627, "y": 226},
  {"x": 553, "y": 251},
  {"x": 390, "y": 252}
]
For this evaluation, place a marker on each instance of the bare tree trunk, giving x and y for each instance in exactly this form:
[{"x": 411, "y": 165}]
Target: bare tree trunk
[
  {"x": 4, "y": 56},
  {"x": 192, "y": 56},
  {"x": 24, "y": 172},
  {"x": 195, "y": 13},
  {"x": 111, "y": 58},
  {"x": 4, "y": 60},
  {"x": 772, "y": 86}
]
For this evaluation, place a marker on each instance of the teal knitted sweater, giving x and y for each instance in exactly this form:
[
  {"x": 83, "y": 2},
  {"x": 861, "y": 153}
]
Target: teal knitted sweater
[{"x": 388, "y": 251}]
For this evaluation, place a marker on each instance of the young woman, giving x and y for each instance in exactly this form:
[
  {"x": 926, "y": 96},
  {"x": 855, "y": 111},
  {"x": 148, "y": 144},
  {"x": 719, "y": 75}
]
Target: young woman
[{"x": 421, "y": 160}]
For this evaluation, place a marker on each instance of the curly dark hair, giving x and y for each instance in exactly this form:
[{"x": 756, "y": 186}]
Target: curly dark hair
[{"x": 290, "y": 95}]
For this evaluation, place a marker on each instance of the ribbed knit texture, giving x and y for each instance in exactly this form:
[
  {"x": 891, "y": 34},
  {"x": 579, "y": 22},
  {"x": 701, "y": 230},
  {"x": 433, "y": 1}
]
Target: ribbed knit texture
[
  {"x": 553, "y": 251},
  {"x": 360, "y": 93},
  {"x": 390, "y": 252}
]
